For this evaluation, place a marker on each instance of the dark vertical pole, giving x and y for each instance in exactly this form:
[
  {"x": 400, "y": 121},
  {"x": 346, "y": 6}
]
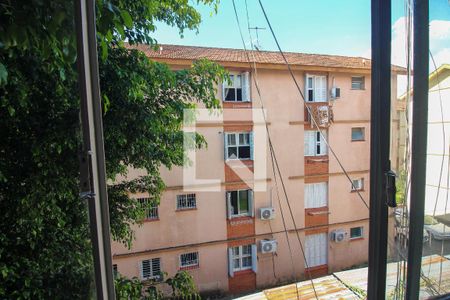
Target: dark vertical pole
[
  {"x": 379, "y": 146},
  {"x": 418, "y": 147},
  {"x": 93, "y": 173}
]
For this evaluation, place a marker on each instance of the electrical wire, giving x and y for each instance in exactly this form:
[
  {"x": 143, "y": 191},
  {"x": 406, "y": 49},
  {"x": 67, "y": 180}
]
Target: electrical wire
[
  {"x": 275, "y": 161},
  {"x": 442, "y": 165},
  {"x": 308, "y": 108},
  {"x": 443, "y": 134}
]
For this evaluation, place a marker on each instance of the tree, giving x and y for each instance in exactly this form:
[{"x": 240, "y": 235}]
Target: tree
[{"x": 44, "y": 237}]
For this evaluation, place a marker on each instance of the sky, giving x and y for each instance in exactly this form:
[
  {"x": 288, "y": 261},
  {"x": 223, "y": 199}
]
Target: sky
[{"x": 340, "y": 27}]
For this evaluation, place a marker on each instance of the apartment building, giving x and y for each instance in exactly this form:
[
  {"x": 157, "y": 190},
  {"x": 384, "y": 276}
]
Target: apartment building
[
  {"x": 438, "y": 146},
  {"x": 234, "y": 239}
]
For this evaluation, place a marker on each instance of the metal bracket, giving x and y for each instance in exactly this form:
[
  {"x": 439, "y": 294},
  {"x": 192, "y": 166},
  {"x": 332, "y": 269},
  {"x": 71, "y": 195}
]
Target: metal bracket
[{"x": 391, "y": 189}]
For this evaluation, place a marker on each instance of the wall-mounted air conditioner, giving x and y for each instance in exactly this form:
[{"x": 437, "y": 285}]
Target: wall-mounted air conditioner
[
  {"x": 268, "y": 246},
  {"x": 267, "y": 213},
  {"x": 335, "y": 92},
  {"x": 338, "y": 235}
]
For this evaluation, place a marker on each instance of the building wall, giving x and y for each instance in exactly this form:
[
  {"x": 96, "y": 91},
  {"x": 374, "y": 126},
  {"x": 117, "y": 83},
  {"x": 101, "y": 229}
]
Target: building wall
[{"x": 206, "y": 228}]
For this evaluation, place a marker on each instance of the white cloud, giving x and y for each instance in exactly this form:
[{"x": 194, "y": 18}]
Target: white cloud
[
  {"x": 439, "y": 45},
  {"x": 439, "y": 30},
  {"x": 441, "y": 57}
]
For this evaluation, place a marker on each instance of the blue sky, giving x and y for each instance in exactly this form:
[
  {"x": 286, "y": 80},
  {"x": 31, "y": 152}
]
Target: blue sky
[{"x": 339, "y": 27}]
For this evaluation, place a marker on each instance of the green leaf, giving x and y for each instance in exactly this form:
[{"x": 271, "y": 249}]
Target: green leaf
[
  {"x": 3, "y": 74},
  {"x": 128, "y": 21}
]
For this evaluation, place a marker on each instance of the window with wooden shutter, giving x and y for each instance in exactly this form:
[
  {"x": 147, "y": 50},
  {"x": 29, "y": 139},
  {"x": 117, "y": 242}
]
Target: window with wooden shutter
[
  {"x": 238, "y": 89},
  {"x": 240, "y": 203},
  {"x": 242, "y": 258},
  {"x": 314, "y": 143},
  {"x": 316, "y": 195},
  {"x": 316, "y": 249},
  {"x": 316, "y": 88},
  {"x": 238, "y": 145}
]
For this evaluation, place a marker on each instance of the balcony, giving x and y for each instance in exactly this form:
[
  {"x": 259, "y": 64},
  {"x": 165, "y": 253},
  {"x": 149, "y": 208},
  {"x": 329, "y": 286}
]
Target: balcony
[{"x": 321, "y": 113}]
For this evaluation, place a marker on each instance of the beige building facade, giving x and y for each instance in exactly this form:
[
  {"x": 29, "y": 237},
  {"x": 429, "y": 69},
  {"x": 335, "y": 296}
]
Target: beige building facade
[{"x": 233, "y": 237}]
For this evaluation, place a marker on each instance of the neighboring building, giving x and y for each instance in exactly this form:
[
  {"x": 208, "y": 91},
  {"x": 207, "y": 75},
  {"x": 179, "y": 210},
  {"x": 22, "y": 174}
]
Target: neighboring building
[
  {"x": 438, "y": 138},
  {"x": 218, "y": 236}
]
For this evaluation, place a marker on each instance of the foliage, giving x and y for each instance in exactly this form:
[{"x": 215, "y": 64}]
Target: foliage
[
  {"x": 182, "y": 284},
  {"x": 44, "y": 238},
  {"x": 401, "y": 188}
]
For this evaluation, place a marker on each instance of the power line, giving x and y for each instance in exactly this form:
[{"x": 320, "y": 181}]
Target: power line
[
  {"x": 274, "y": 160},
  {"x": 443, "y": 135},
  {"x": 308, "y": 108}
]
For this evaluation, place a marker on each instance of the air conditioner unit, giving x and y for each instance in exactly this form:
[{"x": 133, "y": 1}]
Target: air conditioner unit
[
  {"x": 267, "y": 213},
  {"x": 335, "y": 92},
  {"x": 338, "y": 235},
  {"x": 268, "y": 246}
]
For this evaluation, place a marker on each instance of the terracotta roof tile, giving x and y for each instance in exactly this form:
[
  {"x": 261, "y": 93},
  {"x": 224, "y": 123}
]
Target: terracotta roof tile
[{"x": 262, "y": 57}]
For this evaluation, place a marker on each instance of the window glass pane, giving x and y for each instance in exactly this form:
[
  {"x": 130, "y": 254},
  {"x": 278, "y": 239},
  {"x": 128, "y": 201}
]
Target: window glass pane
[
  {"x": 244, "y": 152},
  {"x": 231, "y": 81},
  {"x": 238, "y": 81},
  {"x": 357, "y": 134},
  {"x": 236, "y": 251},
  {"x": 237, "y": 263},
  {"x": 230, "y": 94},
  {"x": 310, "y": 95},
  {"x": 243, "y": 202},
  {"x": 231, "y": 139},
  {"x": 232, "y": 152},
  {"x": 234, "y": 202},
  {"x": 243, "y": 138},
  {"x": 247, "y": 250},
  {"x": 246, "y": 262},
  {"x": 239, "y": 94},
  {"x": 355, "y": 232}
]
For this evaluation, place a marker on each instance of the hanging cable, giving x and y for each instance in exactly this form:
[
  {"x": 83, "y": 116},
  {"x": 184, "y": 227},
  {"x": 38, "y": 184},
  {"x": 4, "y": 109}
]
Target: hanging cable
[
  {"x": 443, "y": 133},
  {"x": 316, "y": 125},
  {"x": 442, "y": 165},
  {"x": 275, "y": 161}
]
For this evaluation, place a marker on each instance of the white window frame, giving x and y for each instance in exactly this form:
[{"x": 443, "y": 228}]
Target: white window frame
[
  {"x": 361, "y": 83},
  {"x": 243, "y": 83},
  {"x": 358, "y": 184},
  {"x": 250, "y": 211},
  {"x": 316, "y": 195},
  {"x": 316, "y": 250},
  {"x": 359, "y": 236},
  {"x": 238, "y": 144},
  {"x": 363, "y": 131},
  {"x": 318, "y": 86},
  {"x": 241, "y": 256},
  {"x": 194, "y": 262},
  {"x": 151, "y": 213},
  {"x": 186, "y": 201},
  {"x": 154, "y": 272},
  {"x": 313, "y": 138}
]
